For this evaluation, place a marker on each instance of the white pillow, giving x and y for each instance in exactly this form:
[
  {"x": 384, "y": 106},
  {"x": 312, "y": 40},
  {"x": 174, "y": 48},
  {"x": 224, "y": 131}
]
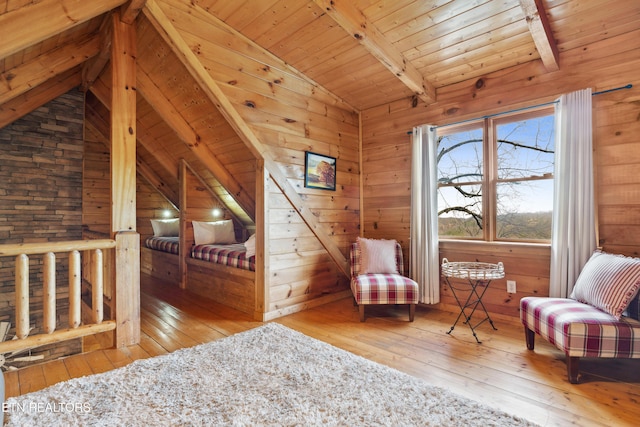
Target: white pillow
[
  {"x": 377, "y": 256},
  {"x": 166, "y": 227},
  {"x": 214, "y": 233},
  {"x": 250, "y": 244},
  {"x": 608, "y": 282}
]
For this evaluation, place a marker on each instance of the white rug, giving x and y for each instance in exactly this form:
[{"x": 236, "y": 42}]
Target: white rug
[{"x": 270, "y": 375}]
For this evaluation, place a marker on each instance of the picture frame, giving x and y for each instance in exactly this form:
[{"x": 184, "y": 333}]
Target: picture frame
[{"x": 319, "y": 171}]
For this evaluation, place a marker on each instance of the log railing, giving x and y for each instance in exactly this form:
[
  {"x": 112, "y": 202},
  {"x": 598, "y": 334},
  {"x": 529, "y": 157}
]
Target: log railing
[
  {"x": 108, "y": 260},
  {"x": 76, "y": 329}
]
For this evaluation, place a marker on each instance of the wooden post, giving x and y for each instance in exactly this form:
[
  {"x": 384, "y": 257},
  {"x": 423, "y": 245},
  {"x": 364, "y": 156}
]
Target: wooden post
[
  {"x": 123, "y": 126},
  {"x": 123, "y": 183},
  {"x": 75, "y": 291},
  {"x": 22, "y": 296},
  {"x": 127, "y": 298},
  {"x": 184, "y": 211},
  {"x": 49, "y": 292},
  {"x": 262, "y": 237}
]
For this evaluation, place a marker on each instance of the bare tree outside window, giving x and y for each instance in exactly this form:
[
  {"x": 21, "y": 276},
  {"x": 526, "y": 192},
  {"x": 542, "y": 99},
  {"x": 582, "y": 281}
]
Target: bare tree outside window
[
  {"x": 460, "y": 177},
  {"x": 503, "y": 182}
]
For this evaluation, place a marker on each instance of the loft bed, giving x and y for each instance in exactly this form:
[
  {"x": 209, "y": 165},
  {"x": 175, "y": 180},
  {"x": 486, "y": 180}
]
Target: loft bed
[
  {"x": 222, "y": 270},
  {"x": 159, "y": 254},
  {"x": 215, "y": 263}
]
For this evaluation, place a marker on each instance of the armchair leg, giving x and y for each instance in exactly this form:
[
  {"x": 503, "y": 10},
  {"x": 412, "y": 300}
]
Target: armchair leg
[
  {"x": 530, "y": 337},
  {"x": 361, "y": 309},
  {"x": 572, "y": 369},
  {"x": 412, "y": 312}
]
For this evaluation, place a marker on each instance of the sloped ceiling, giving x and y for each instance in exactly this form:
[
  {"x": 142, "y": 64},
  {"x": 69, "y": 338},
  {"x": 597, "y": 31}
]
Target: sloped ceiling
[{"x": 354, "y": 54}]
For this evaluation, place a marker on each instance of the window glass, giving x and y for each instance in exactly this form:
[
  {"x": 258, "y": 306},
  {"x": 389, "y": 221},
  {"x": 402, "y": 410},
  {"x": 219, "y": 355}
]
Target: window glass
[
  {"x": 524, "y": 210},
  {"x": 460, "y": 157},
  {"x": 497, "y": 186},
  {"x": 525, "y": 147},
  {"x": 460, "y": 211},
  {"x": 460, "y": 175}
]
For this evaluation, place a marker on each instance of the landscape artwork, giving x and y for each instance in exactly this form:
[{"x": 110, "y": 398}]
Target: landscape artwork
[{"x": 319, "y": 171}]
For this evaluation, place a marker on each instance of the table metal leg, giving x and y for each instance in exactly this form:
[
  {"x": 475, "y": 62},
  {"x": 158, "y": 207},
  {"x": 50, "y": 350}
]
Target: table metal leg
[{"x": 473, "y": 305}]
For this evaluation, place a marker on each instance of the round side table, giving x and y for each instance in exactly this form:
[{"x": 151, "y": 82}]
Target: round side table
[{"x": 478, "y": 275}]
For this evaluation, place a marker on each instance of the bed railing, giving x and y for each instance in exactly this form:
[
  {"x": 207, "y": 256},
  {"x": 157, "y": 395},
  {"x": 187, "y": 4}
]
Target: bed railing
[{"x": 94, "y": 257}]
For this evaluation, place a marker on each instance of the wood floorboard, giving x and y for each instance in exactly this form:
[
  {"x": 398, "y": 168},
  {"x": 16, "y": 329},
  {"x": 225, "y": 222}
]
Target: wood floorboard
[
  {"x": 99, "y": 362},
  {"x": 150, "y": 346},
  {"x": 500, "y": 372},
  {"x": 163, "y": 324},
  {"x": 118, "y": 357},
  {"x": 192, "y": 327},
  {"x": 31, "y": 379},
  {"x": 77, "y": 365},
  {"x": 135, "y": 352},
  {"x": 11, "y": 384},
  {"x": 55, "y": 372}
]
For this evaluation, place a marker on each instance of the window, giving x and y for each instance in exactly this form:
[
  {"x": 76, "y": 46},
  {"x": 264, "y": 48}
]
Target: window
[{"x": 495, "y": 178}]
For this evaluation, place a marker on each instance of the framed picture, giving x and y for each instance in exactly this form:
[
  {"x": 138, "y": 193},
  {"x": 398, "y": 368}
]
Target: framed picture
[{"x": 319, "y": 171}]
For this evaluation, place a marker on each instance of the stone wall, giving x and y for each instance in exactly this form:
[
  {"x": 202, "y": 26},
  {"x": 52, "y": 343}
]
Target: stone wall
[{"x": 41, "y": 158}]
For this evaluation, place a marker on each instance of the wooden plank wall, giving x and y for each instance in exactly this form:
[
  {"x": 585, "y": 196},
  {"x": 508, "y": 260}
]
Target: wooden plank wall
[
  {"x": 96, "y": 187},
  {"x": 300, "y": 269},
  {"x": 150, "y": 204},
  {"x": 610, "y": 63},
  {"x": 289, "y": 115},
  {"x": 200, "y": 205}
]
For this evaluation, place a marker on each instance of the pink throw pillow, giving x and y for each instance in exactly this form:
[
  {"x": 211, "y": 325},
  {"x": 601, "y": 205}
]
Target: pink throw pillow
[{"x": 377, "y": 256}]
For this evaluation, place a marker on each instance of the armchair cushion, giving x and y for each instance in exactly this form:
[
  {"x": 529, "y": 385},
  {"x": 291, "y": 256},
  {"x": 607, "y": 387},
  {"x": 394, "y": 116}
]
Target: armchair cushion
[
  {"x": 384, "y": 289},
  {"x": 377, "y": 256}
]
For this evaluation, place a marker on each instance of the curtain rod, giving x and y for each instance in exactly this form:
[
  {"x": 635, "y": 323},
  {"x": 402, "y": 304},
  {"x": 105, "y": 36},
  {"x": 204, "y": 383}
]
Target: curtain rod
[{"x": 629, "y": 86}]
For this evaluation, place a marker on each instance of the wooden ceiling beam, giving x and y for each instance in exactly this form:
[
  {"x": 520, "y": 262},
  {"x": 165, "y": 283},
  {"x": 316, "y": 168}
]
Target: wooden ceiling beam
[
  {"x": 130, "y": 10},
  {"x": 540, "y": 30},
  {"x": 25, "y": 103},
  {"x": 24, "y": 77},
  {"x": 94, "y": 66},
  {"x": 367, "y": 34},
  {"x": 37, "y": 21},
  {"x": 173, "y": 38},
  {"x": 187, "y": 134}
]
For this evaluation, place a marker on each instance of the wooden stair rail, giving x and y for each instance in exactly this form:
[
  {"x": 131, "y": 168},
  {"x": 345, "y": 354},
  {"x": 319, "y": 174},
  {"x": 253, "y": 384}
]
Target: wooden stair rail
[{"x": 76, "y": 329}]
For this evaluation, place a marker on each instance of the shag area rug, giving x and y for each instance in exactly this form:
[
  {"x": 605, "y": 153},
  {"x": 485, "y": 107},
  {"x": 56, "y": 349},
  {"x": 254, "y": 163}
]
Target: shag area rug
[{"x": 270, "y": 375}]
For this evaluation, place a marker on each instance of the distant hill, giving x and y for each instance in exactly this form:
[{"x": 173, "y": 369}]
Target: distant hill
[{"x": 526, "y": 226}]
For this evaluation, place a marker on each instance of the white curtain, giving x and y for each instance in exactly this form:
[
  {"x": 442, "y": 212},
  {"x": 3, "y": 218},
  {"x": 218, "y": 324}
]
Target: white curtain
[
  {"x": 424, "y": 257},
  {"x": 573, "y": 236}
]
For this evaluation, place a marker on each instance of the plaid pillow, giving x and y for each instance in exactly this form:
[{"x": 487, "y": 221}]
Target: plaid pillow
[{"x": 608, "y": 282}]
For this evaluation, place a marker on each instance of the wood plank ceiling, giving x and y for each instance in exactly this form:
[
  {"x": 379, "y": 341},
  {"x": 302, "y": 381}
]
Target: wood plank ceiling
[{"x": 355, "y": 54}]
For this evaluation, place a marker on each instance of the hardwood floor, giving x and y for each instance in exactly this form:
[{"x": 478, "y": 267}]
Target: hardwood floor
[{"x": 500, "y": 372}]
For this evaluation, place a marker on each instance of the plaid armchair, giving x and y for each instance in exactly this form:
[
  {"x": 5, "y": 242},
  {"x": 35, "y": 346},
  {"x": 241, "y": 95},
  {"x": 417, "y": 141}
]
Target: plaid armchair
[
  {"x": 600, "y": 319},
  {"x": 382, "y": 288},
  {"x": 579, "y": 330}
]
